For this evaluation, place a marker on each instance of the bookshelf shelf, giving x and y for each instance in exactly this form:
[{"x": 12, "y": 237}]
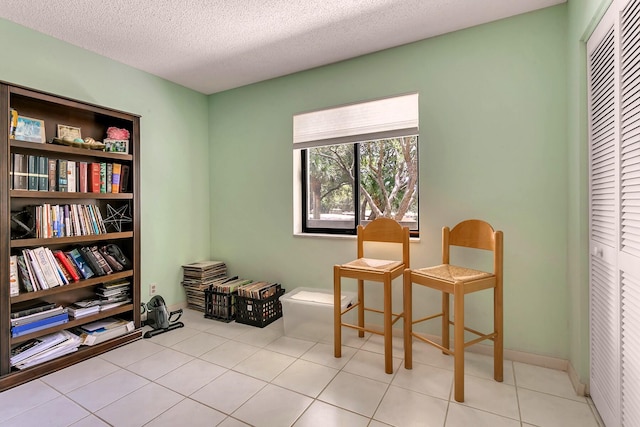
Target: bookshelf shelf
[
  {"x": 27, "y": 243},
  {"x": 62, "y": 195},
  {"x": 28, "y": 296},
  {"x": 87, "y": 167},
  {"x": 81, "y": 152}
]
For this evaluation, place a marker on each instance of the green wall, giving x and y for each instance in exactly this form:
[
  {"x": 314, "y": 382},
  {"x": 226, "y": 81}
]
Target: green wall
[
  {"x": 493, "y": 112},
  {"x": 174, "y": 135}
]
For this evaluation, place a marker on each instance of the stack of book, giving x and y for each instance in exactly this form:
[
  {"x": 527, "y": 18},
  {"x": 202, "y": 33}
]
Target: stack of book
[
  {"x": 84, "y": 308},
  {"x": 42, "y": 349},
  {"x": 197, "y": 277},
  {"x": 114, "y": 294},
  {"x": 37, "y": 316},
  {"x": 103, "y": 330}
]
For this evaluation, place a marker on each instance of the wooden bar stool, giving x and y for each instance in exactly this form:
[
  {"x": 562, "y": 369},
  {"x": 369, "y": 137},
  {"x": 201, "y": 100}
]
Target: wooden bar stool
[
  {"x": 379, "y": 230},
  {"x": 459, "y": 281}
]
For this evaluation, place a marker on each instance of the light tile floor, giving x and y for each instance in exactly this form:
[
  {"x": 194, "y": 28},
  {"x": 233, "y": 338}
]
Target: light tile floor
[{"x": 211, "y": 373}]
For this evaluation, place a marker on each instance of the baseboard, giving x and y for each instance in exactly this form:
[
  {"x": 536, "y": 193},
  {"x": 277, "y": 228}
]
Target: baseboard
[{"x": 580, "y": 388}]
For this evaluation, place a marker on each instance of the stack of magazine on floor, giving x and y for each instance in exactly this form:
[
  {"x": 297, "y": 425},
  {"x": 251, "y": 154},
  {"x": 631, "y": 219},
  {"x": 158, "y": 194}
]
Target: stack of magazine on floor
[
  {"x": 37, "y": 316},
  {"x": 197, "y": 277},
  {"x": 43, "y": 349}
]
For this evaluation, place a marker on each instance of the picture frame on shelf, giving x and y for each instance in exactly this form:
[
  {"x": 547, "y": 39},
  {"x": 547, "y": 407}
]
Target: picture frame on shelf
[
  {"x": 30, "y": 130},
  {"x": 69, "y": 131},
  {"x": 116, "y": 145}
]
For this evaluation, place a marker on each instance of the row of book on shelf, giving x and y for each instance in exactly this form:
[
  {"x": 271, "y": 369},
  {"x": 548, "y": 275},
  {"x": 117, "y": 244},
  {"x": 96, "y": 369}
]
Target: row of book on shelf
[
  {"x": 40, "y": 173},
  {"x": 66, "y": 220},
  {"x": 47, "y": 315},
  {"x": 42, "y": 268}
]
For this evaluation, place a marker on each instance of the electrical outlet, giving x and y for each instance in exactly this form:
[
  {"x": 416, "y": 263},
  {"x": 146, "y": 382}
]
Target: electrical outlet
[{"x": 152, "y": 289}]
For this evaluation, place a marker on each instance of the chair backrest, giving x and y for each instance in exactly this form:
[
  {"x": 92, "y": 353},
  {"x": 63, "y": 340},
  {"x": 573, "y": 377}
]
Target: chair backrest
[
  {"x": 476, "y": 234},
  {"x": 384, "y": 230}
]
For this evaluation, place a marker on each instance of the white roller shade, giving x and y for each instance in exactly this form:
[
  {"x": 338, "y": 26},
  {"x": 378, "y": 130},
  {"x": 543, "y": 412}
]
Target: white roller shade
[{"x": 365, "y": 121}]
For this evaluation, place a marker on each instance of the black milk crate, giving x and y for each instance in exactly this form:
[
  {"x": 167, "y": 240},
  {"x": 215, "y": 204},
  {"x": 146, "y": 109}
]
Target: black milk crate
[
  {"x": 219, "y": 305},
  {"x": 259, "y": 312}
]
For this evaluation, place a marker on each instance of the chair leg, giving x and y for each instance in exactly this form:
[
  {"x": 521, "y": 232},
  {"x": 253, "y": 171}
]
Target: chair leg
[
  {"x": 361, "y": 307},
  {"x": 498, "y": 342},
  {"x": 337, "y": 313},
  {"x": 458, "y": 337},
  {"x": 445, "y": 321},
  {"x": 408, "y": 319},
  {"x": 388, "y": 341}
]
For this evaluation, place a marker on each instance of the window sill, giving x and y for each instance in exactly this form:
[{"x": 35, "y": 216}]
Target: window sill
[{"x": 340, "y": 236}]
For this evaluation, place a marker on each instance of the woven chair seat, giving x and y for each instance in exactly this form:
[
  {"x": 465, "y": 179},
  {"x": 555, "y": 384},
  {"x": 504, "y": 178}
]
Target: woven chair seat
[
  {"x": 373, "y": 264},
  {"x": 452, "y": 273}
]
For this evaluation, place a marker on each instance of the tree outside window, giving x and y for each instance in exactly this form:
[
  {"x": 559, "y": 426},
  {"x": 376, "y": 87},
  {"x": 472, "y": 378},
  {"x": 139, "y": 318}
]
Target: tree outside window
[{"x": 351, "y": 184}]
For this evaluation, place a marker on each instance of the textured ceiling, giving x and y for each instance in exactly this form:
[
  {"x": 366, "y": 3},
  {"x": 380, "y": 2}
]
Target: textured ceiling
[{"x": 214, "y": 45}]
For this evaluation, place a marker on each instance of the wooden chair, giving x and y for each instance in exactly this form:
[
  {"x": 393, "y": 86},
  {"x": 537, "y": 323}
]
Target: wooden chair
[
  {"x": 459, "y": 281},
  {"x": 379, "y": 230}
]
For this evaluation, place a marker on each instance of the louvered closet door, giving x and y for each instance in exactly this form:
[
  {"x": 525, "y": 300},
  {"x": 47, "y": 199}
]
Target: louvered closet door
[
  {"x": 614, "y": 137},
  {"x": 629, "y": 256},
  {"x": 603, "y": 222}
]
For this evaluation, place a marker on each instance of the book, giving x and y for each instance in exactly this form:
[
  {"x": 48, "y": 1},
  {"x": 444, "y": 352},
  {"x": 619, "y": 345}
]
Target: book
[
  {"x": 81, "y": 263},
  {"x": 62, "y": 272},
  {"x": 31, "y": 271},
  {"x": 67, "y": 265},
  {"x": 43, "y": 174},
  {"x": 109, "y": 178},
  {"x": 93, "y": 175},
  {"x": 97, "y": 332},
  {"x": 38, "y": 325},
  {"x": 62, "y": 175},
  {"x": 13, "y": 276},
  {"x": 71, "y": 176},
  {"x": 103, "y": 177},
  {"x": 44, "y": 348},
  {"x": 77, "y": 312},
  {"x": 23, "y": 274},
  {"x": 48, "y": 270},
  {"x": 34, "y": 346},
  {"x": 73, "y": 265},
  {"x": 37, "y": 316},
  {"x": 52, "y": 174},
  {"x": 20, "y": 171},
  {"x": 100, "y": 259},
  {"x": 32, "y": 172},
  {"x": 30, "y": 307},
  {"x": 83, "y": 179},
  {"x": 111, "y": 260},
  {"x": 62, "y": 278},
  {"x": 117, "y": 170},
  {"x": 30, "y": 257},
  {"x": 124, "y": 179},
  {"x": 92, "y": 261}
]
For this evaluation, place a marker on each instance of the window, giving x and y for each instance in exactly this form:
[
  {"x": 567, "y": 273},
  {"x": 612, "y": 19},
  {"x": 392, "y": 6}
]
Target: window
[{"x": 357, "y": 163}]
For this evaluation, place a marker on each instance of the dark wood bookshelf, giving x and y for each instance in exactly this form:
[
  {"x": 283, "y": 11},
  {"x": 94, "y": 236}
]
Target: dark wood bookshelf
[{"x": 93, "y": 120}]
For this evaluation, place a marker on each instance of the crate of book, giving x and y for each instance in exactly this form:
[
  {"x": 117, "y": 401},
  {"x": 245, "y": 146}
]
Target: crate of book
[
  {"x": 219, "y": 305},
  {"x": 258, "y": 304},
  {"x": 219, "y": 299}
]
